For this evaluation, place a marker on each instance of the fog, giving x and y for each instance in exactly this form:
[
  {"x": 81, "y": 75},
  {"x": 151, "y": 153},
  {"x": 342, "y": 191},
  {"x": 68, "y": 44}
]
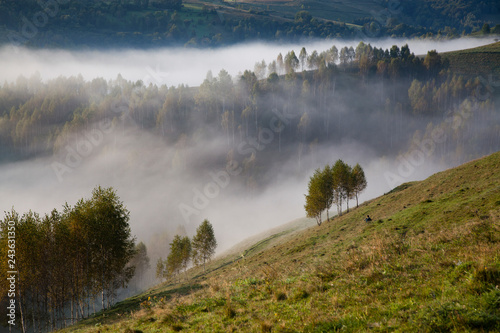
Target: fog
[
  {"x": 160, "y": 194},
  {"x": 174, "y": 66},
  {"x": 139, "y": 166}
]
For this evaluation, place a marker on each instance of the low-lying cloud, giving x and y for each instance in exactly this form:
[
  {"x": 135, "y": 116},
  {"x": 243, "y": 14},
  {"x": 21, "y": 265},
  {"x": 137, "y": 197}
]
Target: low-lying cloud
[
  {"x": 174, "y": 66},
  {"x": 165, "y": 187}
]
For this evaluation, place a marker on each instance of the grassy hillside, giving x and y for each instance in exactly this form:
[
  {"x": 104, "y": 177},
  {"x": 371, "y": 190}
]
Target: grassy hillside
[
  {"x": 481, "y": 60},
  {"x": 429, "y": 261}
]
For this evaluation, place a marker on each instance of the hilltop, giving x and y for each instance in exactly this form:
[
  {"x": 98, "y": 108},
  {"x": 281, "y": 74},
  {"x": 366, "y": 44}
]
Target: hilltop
[
  {"x": 481, "y": 60},
  {"x": 429, "y": 261}
]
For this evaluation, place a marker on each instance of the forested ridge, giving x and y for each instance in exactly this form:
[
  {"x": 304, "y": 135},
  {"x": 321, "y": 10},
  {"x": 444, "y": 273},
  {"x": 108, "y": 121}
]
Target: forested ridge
[
  {"x": 281, "y": 110},
  {"x": 150, "y": 23}
]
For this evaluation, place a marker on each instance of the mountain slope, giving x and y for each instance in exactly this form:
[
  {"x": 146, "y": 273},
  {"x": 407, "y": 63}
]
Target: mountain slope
[
  {"x": 144, "y": 23},
  {"x": 429, "y": 261}
]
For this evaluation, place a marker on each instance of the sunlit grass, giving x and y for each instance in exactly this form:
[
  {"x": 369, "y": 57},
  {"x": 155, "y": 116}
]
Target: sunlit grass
[{"x": 429, "y": 261}]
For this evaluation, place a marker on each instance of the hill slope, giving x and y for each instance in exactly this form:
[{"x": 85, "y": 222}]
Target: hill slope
[
  {"x": 144, "y": 23},
  {"x": 430, "y": 261},
  {"x": 485, "y": 60}
]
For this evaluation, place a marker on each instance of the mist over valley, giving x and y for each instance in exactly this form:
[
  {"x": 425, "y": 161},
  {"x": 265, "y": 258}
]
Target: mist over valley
[
  {"x": 189, "y": 165},
  {"x": 234, "y": 154}
]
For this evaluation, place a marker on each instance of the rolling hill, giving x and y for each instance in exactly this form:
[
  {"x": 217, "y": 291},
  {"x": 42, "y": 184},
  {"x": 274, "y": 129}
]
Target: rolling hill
[
  {"x": 485, "y": 59},
  {"x": 428, "y": 262},
  {"x": 201, "y": 23}
]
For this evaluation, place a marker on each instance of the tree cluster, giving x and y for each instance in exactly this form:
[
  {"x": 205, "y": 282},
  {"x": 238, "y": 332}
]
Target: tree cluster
[
  {"x": 68, "y": 261},
  {"x": 334, "y": 184},
  {"x": 199, "y": 250}
]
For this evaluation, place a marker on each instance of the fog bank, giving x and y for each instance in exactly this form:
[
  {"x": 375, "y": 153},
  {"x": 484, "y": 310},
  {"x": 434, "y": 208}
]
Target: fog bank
[
  {"x": 140, "y": 168},
  {"x": 174, "y": 66}
]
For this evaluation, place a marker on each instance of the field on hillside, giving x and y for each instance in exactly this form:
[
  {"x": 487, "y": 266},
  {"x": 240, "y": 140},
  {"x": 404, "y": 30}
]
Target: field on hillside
[
  {"x": 429, "y": 261},
  {"x": 485, "y": 59}
]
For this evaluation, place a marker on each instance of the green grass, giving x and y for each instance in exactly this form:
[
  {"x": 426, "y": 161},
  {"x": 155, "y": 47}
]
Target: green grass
[{"x": 429, "y": 262}]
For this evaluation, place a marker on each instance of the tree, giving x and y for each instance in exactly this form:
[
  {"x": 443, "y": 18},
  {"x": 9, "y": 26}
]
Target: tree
[
  {"x": 260, "y": 69},
  {"x": 173, "y": 264},
  {"x": 185, "y": 252},
  {"x": 433, "y": 62},
  {"x": 280, "y": 64},
  {"x": 161, "y": 272},
  {"x": 485, "y": 30},
  {"x": 313, "y": 60},
  {"x": 204, "y": 243},
  {"x": 291, "y": 62},
  {"x": 332, "y": 55},
  {"x": 358, "y": 180},
  {"x": 109, "y": 239},
  {"x": 303, "y": 17},
  {"x": 314, "y": 205},
  {"x": 303, "y": 57},
  {"x": 179, "y": 256},
  {"x": 320, "y": 194},
  {"x": 140, "y": 262},
  {"x": 341, "y": 183}
]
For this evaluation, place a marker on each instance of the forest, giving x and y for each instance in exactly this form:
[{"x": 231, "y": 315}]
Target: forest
[
  {"x": 68, "y": 263},
  {"x": 148, "y": 23},
  {"x": 287, "y": 109}
]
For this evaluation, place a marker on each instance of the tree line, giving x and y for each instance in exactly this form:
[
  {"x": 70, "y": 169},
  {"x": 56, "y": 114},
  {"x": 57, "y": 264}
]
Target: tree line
[
  {"x": 199, "y": 250},
  {"x": 307, "y": 91},
  {"x": 333, "y": 184},
  {"x": 70, "y": 263},
  {"x": 148, "y": 23}
]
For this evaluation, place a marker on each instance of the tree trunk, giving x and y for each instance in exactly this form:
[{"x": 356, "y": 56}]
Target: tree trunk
[
  {"x": 102, "y": 298},
  {"x": 21, "y": 308}
]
